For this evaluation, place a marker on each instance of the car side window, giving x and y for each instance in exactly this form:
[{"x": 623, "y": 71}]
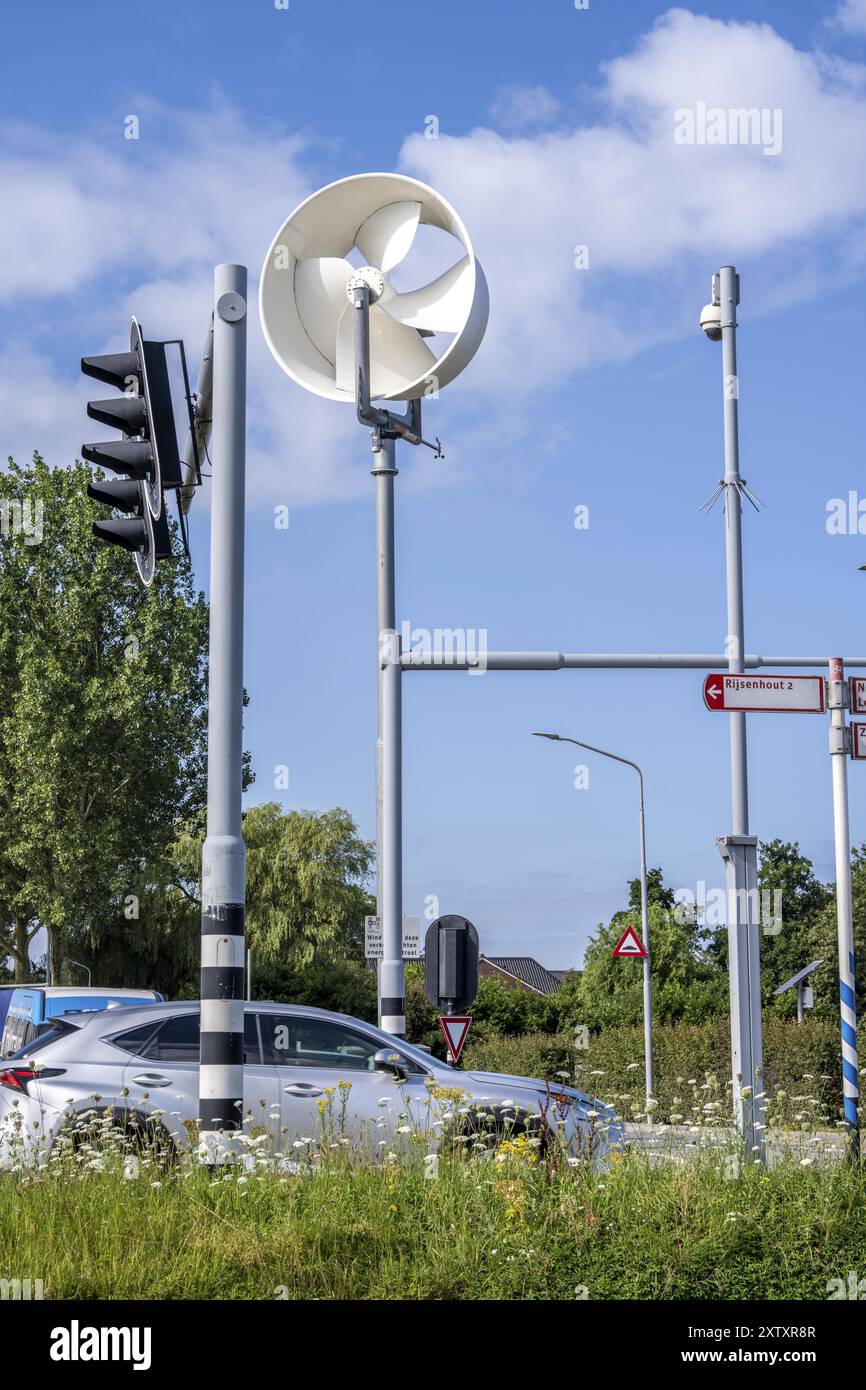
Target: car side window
[
  {"x": 290, "y": 1041},
  {"x": 252, "y": 1048},
  {"x": 177, "y": 1040},
  {"x": 135, "y": 1040}
]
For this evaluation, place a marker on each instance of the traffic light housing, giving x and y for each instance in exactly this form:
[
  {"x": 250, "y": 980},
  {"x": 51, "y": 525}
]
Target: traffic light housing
[
  {"x": 451, "y": 963},
  {"x": 147, "y": 456}
]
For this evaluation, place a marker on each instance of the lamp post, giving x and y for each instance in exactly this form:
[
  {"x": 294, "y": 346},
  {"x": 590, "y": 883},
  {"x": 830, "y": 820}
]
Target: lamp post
[
  {"x": 83, "y": 967},
  {"x": 644, "y": 906}
]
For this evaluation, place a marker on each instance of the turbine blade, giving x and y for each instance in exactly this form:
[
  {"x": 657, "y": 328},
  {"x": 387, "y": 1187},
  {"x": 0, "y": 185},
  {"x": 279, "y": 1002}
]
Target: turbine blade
[
  {"x": 398, "y": 355},
  {"x": 386, "y": 236},
  {"x": 443, "y": 306},
  {"x": 320, "y": 296}
]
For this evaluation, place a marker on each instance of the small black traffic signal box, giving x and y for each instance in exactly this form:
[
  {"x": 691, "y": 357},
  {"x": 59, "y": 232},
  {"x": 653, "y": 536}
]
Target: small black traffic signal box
[{"x": 451, "y": 963}]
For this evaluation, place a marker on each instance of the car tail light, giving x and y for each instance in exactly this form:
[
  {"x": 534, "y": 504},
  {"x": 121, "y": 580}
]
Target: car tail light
[{"x": 17, "y": 1078}]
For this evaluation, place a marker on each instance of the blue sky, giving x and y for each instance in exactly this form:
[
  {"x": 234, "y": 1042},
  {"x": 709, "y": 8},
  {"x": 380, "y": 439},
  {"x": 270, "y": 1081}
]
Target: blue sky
[{"x": 593, "y": 387}]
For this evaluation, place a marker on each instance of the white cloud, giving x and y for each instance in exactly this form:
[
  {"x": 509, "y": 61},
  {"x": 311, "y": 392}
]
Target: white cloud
[
  {"x": 37, "y": 407},
  {"x": 192, "y": 190},
  {"x": 851, "y": 16},
  {"x": 518, "y": 108},
  {"x": 98, "y": 227},
  {"x": 95, "y": 232},
  {"x": 657, "y": 217}
]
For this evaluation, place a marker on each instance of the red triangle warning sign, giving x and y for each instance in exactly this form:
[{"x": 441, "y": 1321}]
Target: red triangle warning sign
[
  {"x": 629, "y": 944},
  {"x": 454, "y": 1030}
]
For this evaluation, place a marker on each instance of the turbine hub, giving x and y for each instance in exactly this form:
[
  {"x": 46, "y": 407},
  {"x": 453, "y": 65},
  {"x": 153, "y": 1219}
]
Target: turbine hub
[{"x": 371, "y": 277}]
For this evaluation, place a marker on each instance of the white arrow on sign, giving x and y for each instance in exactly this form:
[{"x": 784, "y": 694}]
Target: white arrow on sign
[{"x": 778, "y": 694}]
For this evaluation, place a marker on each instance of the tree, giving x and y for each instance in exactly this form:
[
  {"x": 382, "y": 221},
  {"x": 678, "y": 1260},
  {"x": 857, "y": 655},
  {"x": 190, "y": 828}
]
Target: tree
[
  {"x": 787, "y": 881},
  {"x": 102, "y": 714},
  {"x": 656, "y": 892},
  {"x": 823, "y": 943},
  {"x": 687, "y": 986},
  {"x": 306, "y": 899},
  {"x": 343, "y": 986}
]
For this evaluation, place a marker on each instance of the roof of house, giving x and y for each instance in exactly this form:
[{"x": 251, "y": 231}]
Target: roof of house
[
  {"x": 529, "y": 972},
  {"x": 562, "y": 975}
]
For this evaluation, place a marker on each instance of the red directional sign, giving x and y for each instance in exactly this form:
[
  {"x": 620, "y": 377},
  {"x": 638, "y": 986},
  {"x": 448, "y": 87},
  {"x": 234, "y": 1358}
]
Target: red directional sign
[
  {"x": 779, "y": 694},
  {"x": 858, "y": 741},
  {"x": 454, "y": 1029},
  {"x": 858, "y": 694},
  {"x": 629, "y": 945}
]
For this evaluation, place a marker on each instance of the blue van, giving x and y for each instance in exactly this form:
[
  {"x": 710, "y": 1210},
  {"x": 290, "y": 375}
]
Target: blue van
[
  {"x": 6, "y": 992},
  {"x": 33, "y": 1007}
]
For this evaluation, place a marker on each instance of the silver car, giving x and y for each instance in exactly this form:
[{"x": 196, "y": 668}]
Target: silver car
[{"x": 140, "y": 1065}]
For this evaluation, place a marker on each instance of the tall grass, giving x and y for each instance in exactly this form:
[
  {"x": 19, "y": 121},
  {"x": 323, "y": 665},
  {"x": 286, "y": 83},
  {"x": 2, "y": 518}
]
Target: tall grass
[
  {"x": 802, "y": 1077},
  {"x": 513, "y": 1229}
]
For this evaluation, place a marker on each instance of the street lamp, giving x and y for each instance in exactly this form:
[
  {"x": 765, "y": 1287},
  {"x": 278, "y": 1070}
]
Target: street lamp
[
  {"x": 644, "y": 907},
  {"x": 83, "y": 967}
]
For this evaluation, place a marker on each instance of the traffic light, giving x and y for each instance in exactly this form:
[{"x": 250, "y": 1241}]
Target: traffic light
[{"x": 147, "y": 456}]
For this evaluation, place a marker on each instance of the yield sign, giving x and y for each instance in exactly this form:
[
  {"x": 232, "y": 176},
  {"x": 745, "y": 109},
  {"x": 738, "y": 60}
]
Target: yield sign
[
  {"x": 454, "y": 1029},
  {"x": 629, "y": 944}
]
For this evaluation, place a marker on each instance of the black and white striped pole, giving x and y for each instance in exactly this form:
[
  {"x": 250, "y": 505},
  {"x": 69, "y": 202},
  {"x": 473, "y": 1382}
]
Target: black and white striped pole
[{"x": 221, "y": 1073}]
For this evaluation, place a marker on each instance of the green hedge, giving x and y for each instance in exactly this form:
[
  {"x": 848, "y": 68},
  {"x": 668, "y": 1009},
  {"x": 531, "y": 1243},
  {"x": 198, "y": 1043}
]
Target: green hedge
[{"x": 802, "y": 1067}]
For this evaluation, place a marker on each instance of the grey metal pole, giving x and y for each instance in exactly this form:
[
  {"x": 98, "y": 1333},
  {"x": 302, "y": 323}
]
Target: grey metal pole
[
  {"x": 800, "y": 1002},
  {"x": 389, "y": 751},
  {"x": 839, "y": 751},
  {"x": 644, "y": 908},
  {"x": 384, "y": 472},
  {"x": 740, "y": 849},
  {"x": 223, "y": 857},
  {"x": 599, "y": 661},
  {"x": 647, "y": 983},
  {"x": 392, "y": 972}
]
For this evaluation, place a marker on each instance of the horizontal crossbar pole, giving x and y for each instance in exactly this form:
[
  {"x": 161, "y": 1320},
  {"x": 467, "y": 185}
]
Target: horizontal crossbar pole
[{"x": 577, "y": 661}]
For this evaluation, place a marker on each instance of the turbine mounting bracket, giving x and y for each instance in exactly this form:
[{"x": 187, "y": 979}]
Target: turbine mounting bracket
[{"x": 383, "y": 423}]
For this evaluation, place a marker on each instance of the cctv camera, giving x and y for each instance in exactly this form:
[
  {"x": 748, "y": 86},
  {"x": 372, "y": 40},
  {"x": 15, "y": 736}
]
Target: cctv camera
[{"x": 711, "y": 321}]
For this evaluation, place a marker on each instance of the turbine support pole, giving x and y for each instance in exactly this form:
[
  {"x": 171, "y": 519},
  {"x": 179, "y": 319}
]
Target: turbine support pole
[
  {"x": 389, "y": 741},
  {"x": 389, "y": 676}
]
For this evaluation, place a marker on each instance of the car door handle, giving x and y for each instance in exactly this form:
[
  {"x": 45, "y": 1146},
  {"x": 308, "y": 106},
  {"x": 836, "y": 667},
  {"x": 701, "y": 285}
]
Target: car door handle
[
  {"x": 151, "y": 1078},
  {"x": 303, "y": 1089}
]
